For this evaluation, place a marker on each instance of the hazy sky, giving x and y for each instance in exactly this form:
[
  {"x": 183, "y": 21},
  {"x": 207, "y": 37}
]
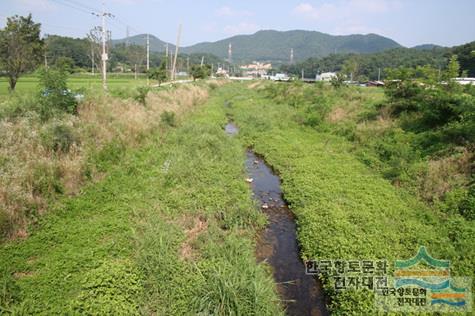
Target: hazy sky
[{"x": 409, "y": 22}]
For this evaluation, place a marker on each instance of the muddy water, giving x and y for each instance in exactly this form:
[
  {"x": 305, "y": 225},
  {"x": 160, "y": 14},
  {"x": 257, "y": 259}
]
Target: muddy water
[{"x": 300, "y": 293}]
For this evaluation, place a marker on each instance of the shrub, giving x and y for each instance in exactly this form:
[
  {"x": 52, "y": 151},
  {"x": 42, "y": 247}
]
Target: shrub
[
  {"x": 212, "y": 86},
  {"x": 4, "y": 224},
  {"x": 54, "y": 93},
  {"x": 141, "y": 95},
  {"x": 467, "y": 205},
  {"x": 168, "y": 118},
  {"x": 46, "y": 181},
  {"x": 59, "y": 137}
]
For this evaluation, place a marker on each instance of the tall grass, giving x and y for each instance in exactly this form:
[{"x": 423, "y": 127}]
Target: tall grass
[{"x": 41, "y": 160}]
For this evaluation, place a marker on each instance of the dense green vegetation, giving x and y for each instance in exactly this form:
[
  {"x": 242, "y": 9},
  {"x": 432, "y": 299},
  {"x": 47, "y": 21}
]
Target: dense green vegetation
[
  {"x": 123, "y": 56},
  {"x": 168, "y": 231},
  {"x": 331, "y": 151},
  {"x": 365, "y": 67},
  {"x": 275, "y": 46}
]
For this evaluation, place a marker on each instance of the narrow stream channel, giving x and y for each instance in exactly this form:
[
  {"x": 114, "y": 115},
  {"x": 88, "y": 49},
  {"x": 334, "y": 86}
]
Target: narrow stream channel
[{"x": 277, "y": 244}]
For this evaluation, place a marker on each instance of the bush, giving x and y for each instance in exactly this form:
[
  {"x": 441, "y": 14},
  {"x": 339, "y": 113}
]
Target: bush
[
  {"x": 168, "y": 118},
  {"x": 467, "y": 206},
  {"x": 46, "y": 181},
  {"x": 4, "y": 225},
  {"x": 141, "y": 95},
  {"x": 59, "y": 137},
  {"x": 54, "y": 93}
]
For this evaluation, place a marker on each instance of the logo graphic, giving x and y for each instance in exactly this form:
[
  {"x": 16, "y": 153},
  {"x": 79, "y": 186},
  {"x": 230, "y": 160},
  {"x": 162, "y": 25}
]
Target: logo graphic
[{"x": 423, "y": 283}]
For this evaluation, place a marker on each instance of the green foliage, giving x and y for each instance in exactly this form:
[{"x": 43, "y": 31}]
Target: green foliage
[
  {"x": 65, "y": 64},
  {"x": 340, "y": 204},
  {"x": 160, "y": 74},
  {"x": 168, "y": 118},
  {"x": 109, "y": 155},
  {"x": 21, "y": 47},
  {"x": 113, "y": 288},
  {"x": 200, "y": 72},
  {"x": 46, "y": 181},
  {"x": 59, "y": 137},
  {"x": 141, "y": 94},
  {"x": 338, "y": 81},
  {"x": 274, "y": 46},
  {"x": 54, "y": 93},
  {"x": 371, "y": 65},
  {"x": 466, "y": 57},
  {"x": 439, "y": 111}
]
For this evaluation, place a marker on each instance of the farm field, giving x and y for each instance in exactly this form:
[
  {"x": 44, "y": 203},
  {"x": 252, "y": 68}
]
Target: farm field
[{"x": 29, "y": 84}]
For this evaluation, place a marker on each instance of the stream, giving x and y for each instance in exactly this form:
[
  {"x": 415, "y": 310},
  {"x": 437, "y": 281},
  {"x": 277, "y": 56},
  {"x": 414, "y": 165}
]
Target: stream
[{"x": 301, "y": 294}]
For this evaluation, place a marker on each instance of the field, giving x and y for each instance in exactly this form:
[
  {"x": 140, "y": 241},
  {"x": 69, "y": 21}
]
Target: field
[
  {"x": 162, "y": 221},
  {"x": 29, "y": 84}
]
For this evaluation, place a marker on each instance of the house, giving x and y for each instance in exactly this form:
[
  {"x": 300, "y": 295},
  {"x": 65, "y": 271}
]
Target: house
[
  {"x": 375, "y": 83},
  {"x": 256, "y": 69},
  {"x": 326, "y": 76},
  {"x": 465, "y": 81}
]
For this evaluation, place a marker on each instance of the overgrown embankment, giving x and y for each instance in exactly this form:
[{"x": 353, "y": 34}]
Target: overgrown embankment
[
  {"x": 344, "y": 209},
  {"x": 42, "y": 158},
  {"x": 168, "y": 231}
]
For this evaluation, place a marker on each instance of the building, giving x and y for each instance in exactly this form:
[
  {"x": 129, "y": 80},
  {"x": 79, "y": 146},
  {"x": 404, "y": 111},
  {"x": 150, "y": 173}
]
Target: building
[
  {"x": 256, "y": 69},
  {"x": 326, "y": 76},
  {"x": 465, "y": 81}
]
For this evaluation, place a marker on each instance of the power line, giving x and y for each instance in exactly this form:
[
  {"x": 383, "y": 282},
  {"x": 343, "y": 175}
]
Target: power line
[
  {"x": 74, "y": 7},
  {"x": 83, "y": 5}
]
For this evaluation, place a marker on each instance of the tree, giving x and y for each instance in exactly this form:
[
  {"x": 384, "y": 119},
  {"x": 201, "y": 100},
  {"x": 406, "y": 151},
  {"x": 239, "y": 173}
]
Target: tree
[
  {"x": 21, "y": 47},
  {"x": 453, "y": 69},
  {"x": 160, "y": 74},
  {"x": 65, "y": 63},
  {"x": 338, "y": 81},
  {"x": 200, "y": 72}
]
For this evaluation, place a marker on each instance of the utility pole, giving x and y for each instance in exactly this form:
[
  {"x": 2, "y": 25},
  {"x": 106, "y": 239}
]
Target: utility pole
[
  {"x": 171, "y": 64},
  {"x": 303, "y": 74},
  {"x": 176, "y": 52},
  {"x": 104, "y": 56},
  {"x": 148, "y": 52},
  {"x": 291, "y": 56},
  {"x": 230, "y": 53},
  {"x": 127, "y": 35},
  {"x": 379, "y": 74},
  {"x": 202, "y": 61},
  {"x": 166, "y": 56},
  {"x": 188, "y": 64}
]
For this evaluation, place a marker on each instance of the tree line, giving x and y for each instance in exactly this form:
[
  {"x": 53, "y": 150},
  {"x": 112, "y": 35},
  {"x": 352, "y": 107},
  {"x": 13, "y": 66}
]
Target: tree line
[
  {"x": 364, "y": 67},
  {"x": 23, "y": 50}
]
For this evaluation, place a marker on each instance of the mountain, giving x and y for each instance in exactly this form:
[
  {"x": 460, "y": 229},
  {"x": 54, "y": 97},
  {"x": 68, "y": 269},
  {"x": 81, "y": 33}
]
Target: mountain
[
  {"x": 275, "y": 46},
  {"x": 426, "y": 47},
  {"x": 156, "y": 44}
]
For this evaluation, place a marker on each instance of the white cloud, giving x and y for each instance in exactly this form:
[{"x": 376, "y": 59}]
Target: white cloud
[
  {"x": 227, "y": 11},
  {"x": 241, "y": 28}
]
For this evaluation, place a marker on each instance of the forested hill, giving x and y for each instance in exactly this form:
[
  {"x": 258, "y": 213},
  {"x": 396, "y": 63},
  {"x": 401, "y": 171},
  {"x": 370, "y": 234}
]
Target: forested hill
[
  {"x": 367, "y": 66},
  {"x": 275, "y": 45}
]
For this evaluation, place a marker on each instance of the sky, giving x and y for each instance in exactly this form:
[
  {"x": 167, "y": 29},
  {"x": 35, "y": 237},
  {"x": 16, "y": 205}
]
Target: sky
[{"x": 409, "y": 22}]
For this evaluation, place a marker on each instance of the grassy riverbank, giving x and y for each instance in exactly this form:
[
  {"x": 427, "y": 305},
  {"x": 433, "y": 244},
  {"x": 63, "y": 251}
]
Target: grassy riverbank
[
  {"x": 344, "y": 209},
  {"x": 169, "y": 231}
]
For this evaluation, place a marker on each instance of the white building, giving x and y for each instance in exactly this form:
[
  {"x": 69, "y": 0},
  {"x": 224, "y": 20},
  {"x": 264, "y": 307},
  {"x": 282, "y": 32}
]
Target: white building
[
  {"x": 256, "y": 69},
  {"x": 326, "y": 76},
  {"x": 465, "y": 81}
]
